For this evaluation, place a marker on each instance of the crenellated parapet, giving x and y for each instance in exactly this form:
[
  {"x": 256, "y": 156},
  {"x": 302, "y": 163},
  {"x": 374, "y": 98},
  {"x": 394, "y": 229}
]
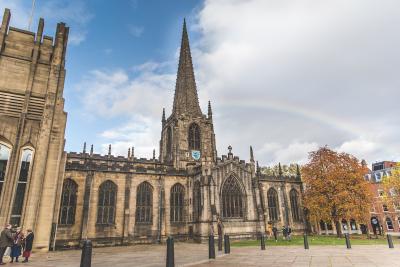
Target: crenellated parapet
[{"x": 109, "y": 163}]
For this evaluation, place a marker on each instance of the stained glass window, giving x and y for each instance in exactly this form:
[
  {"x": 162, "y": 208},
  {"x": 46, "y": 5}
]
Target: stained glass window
[
  {"x": 107, "y": 202},
  {"x": 194, "y": 137},
  {"x": 68, "y": 202},
  {"x": 294, "y": 204},
  {"x": 177, "y": 203},
  {"x": 4, "y": 157},
  {"x": 26, "y": 160},
  {"x": 273, "y": 204},
  {"x": 232, "y": 199},
  {"x": 144, "y": 203}
]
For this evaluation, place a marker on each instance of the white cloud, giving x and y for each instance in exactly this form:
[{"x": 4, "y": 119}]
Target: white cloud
[
  {"x": 283, "y": 76},
  {"x": 301, "y": 75}
]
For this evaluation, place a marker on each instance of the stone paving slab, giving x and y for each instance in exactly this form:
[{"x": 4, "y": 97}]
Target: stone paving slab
[
  {"x": 187, "y": 254},
  {"x": 332, "y": 256}
]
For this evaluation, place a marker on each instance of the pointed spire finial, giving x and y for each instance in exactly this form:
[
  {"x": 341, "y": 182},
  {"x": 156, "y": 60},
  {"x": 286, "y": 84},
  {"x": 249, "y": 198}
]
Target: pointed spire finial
[
  {"x": 186, "y": 100},
  {"x": 129, "y": 153},
  {"x": 154, "y": 154},
  {"x": 258, "y": 169},
  {"x": 163, "y": 117},
  {"x": 280, "y": 169},
  {"x": 298, "y": 171},
  {"x": 209, "y": 110},
  {"x": 91, "y": 150},
  {"x": 109, "y": 150},
  {"x": 84, "y": 147},
  {"x": 251, "y": 154},
  {"x": 133, "y": 152}
]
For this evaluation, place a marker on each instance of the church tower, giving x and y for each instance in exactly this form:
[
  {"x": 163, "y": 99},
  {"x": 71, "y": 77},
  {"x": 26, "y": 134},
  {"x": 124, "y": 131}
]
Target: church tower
[{"x": 187, "y": 137}]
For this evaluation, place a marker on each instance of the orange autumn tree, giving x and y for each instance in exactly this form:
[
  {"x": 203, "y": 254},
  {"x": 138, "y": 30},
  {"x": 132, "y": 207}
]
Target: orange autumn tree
[
  {"x": 391, "y": 187},
  {"x": 335, "y": 188}
]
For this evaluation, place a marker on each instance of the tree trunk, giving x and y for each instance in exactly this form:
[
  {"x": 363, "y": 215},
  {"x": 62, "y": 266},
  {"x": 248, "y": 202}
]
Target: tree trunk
[{"x": 338, "y": 228}]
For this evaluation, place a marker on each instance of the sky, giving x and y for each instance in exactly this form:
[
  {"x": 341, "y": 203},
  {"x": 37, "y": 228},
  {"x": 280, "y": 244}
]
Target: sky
[{"x": 283, "y": 76}]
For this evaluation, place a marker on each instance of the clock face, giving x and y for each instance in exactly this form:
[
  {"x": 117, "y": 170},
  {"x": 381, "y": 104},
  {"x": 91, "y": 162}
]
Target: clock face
[{"x": 196, "y": 154}]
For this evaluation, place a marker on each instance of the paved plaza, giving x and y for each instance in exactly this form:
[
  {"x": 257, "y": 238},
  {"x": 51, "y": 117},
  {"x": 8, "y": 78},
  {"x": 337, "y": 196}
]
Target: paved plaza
[{"x": 197, "y": 255}]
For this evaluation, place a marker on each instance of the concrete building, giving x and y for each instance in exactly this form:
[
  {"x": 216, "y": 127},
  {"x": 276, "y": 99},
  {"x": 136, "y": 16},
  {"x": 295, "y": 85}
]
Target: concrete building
[{"x": 187, "y": 191}]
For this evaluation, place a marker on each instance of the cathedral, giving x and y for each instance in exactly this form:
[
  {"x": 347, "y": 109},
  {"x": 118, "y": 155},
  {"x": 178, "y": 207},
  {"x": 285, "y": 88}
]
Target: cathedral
[{"x": 187, "y": 192}]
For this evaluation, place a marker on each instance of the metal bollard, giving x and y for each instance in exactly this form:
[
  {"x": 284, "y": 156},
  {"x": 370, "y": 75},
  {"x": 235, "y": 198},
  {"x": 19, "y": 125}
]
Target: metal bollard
[
  {"x": 211, "y": 247},
  {"x": 348, "y": 245},
  {"x": 390, "y": 241},
  {"x": 306, "y": 246},
  {"x": 86, "y": 258},
  {"x": 170, "y": 252},
  {"x": 219, "y": 242},
  {"x": 262, "y": 242},
  {"x": 227, "y": 244}
]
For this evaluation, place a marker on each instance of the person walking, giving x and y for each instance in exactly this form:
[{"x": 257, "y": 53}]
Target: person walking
[
  {"x": 6, "y": 240},
  {"x": 284, "y": 232},
  {"x": 16, "y": 247},
  {"x": 28, "y": 242},
  {"x": 289, "y": 233},
  {"x": 275, "y": 232}
]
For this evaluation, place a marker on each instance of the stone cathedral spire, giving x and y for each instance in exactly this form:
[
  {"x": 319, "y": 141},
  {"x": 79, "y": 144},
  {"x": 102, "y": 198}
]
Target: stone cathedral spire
[{"x": 186, "y": 100}]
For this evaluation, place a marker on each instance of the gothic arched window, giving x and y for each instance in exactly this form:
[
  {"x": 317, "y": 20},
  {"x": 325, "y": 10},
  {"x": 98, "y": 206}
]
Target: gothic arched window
[
  {"x": 24, "y": 170},
  {"x": 177, "y": 203},
  {"x": 144, "y": 203},
  {"x": 106, "y": 205},
  {"x": 196, "y": 201},
  {"x": 5, "y": 152},
  {"x": 194, "y": 137},
  {"x": 294, "y": 204},
  {"x": 232, "y": 199},
  {"x": 68, "y": 202},
  {"x": 273, "y": 204}
]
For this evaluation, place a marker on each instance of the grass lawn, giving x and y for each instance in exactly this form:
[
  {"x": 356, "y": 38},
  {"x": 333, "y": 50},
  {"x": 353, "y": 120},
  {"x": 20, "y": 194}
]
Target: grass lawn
[{"x": 317, "y": 240}]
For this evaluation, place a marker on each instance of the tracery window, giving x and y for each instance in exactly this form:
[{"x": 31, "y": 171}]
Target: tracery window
[
  {"x": 294, "y": 203},
  {"x": 107, "y": 202},
  {"x": 273, "y": 204},
  {"x": 194, "y": 137},
  {"x": 26, "y": 160},
  {"x": 232, "y": 199},
  {"x": 144, "y": 203},
  {"x": 196, "y": 201},
  {"x": 68, "y": 202},
  {"x": 4, "y": 157},
  {"x": 177, "y": 199}
]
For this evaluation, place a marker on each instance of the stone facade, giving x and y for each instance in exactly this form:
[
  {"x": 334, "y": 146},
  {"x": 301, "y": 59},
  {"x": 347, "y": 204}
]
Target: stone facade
[
  {"x": 218, "y": 195},
  {"x": 32, "y": 125},
  {"x": 187, "y": 191}
]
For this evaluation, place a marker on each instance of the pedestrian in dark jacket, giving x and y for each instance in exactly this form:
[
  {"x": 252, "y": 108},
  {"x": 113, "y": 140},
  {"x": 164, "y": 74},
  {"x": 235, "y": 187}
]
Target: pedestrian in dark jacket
[
  {"x": 17, "y": 246},
  {"x": 28, "y": 242},
  {"x": 275, "y": 231},
  {"x": 6, "y": 240},
  {"x": 289, "y": 233},
  {"x": 284, "y": 232}
]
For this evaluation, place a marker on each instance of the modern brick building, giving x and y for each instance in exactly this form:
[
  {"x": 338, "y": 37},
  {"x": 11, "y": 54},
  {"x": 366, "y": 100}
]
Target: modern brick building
[{"x": 384, "y": 214}]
